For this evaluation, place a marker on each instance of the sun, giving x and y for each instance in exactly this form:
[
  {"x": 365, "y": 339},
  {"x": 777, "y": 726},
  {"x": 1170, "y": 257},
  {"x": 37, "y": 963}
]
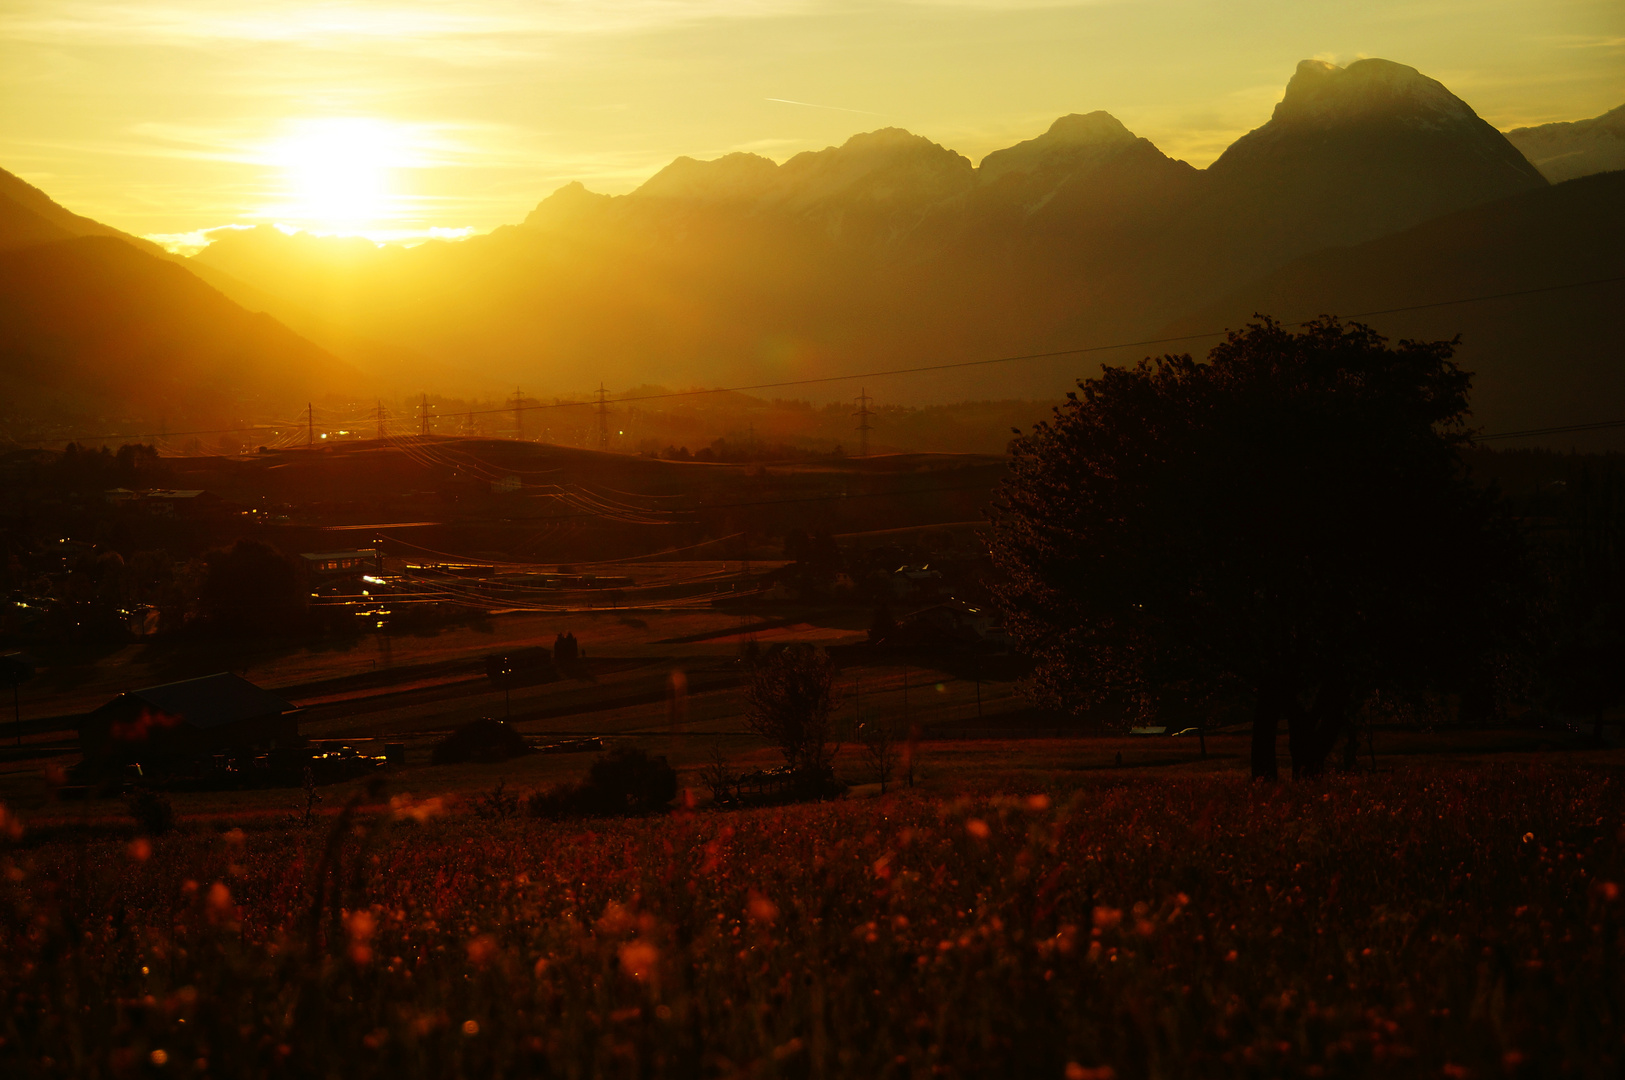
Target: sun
[{"x": 338, "y": 172}]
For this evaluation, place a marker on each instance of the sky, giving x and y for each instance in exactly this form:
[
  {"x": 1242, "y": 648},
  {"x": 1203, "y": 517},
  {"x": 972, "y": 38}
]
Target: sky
[{"x": 398, "y": 119}]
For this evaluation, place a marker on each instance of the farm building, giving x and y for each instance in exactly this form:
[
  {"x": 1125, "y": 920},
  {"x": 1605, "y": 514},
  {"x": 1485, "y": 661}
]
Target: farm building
[
  {"x": 321, "y": 567},
  {"x": 216, "y": 713}
]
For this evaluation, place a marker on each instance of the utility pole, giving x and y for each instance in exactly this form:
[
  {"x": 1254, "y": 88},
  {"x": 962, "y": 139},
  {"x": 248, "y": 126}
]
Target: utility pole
[
  {"x": 603, "y": 418},
  {"x": 310, "y": 425},
  {"x": 863, "y": 415},
  {"x": 518, "y": 414},
  {"x": 381, "y": 418},
  {"x": 423, "y": 415}
]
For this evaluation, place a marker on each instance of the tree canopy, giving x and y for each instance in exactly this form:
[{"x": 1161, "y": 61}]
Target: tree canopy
[{"x": 1288, "y": 522}]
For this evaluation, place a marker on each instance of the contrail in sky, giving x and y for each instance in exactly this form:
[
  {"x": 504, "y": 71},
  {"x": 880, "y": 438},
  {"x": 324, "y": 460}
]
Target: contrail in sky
[{"x": 810, "y": 105}]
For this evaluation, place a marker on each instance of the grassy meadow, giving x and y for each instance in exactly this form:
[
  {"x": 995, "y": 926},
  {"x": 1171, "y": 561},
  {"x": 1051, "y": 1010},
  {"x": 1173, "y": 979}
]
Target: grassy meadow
[{"x": 1438, "y": 919}]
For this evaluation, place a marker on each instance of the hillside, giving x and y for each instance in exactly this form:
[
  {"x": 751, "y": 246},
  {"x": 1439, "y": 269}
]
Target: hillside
[
  {"x": 91, "y": 327},
  {"x": 1580, "y": 148},
  {"x": 1542, "y": 359}
]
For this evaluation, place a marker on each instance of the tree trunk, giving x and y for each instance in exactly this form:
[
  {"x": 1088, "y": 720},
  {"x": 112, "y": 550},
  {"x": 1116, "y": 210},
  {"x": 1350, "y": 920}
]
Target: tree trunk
[
  {"x": 1266, "y": 723},
  {"x": 1314, "y": 732}
]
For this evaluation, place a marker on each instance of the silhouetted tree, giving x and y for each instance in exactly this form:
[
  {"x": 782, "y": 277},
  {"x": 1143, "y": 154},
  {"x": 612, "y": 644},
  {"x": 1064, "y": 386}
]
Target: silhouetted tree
[
  {"x": 250, "y": 587},
  {"x": 789, "y": 696},
  {"x": 1289, "y": 522}
]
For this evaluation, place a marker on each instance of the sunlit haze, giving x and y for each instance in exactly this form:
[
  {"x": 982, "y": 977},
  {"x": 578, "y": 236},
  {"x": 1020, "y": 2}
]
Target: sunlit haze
[{"x": 395, "y": 119}]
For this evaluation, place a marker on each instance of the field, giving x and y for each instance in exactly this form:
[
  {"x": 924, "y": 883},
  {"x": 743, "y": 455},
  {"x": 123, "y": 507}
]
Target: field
[{"x": 1437, "y": 918}]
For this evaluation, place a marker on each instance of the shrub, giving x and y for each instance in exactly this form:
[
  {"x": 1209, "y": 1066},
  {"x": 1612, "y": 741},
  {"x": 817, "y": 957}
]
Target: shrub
[
  {"x": 498, "y": 804},
  {"x": 152, "y": 812},
  {"x": 484, "y": 739},
  {"x": 629, "y": 780},
  {"x": 623, "y": 781}
]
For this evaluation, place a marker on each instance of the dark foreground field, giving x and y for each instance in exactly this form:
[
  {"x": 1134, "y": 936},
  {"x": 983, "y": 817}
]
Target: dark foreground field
[{"x": 1451, "y": 921}]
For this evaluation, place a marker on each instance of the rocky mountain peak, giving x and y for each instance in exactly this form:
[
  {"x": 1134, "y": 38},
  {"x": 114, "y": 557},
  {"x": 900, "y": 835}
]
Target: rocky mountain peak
[
  {"x": 734, "y": 177},
  {"x": 567, "y": 202},
  {"x": 1321, "y": 93}
]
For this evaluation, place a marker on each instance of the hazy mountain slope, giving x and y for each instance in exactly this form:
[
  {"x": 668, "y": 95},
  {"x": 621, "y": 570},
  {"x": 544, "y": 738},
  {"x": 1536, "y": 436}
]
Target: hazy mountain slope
[
  {"x": 20, "y": 226},
  {"x": 35, "y": 201},
  {"x": 1543, "y": 359},
  {"x": 92, "y": 326},
  {"x": 891, "y": 250},
  {"x": 1580, "y": 148}
]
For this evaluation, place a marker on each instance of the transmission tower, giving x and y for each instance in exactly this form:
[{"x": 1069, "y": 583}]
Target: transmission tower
[
  {"x": 423, "y": 415},
  {"x": 310, "y": 425},
  {"x": 863, "y": 415},
  {"x": 603, "y": 418},
  {"x": 518, "y": 414},
  {"x": 381, "y": 429}
]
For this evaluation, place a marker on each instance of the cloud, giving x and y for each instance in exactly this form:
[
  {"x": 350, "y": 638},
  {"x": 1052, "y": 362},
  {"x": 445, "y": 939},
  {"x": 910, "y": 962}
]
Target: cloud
[{"x": 328, "y": 24}]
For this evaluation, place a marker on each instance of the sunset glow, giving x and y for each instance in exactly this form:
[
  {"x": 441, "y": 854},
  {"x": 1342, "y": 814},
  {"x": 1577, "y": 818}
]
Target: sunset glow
[{"x": 339, "y": 174}]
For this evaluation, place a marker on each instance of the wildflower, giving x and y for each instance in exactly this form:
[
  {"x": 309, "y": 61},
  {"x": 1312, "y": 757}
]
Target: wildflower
[
  {"x": 403, "y": 806},
  {"x": 159, "y": 1057},
  {"x": 761, "y": 909},
  {"x": 481, "y": 949},
  {"x": 1038, "y": 803},
  {"x": 141, "y": 849},
  {"x": 977, "y": 828},
  {"x": 638, "y": 959},
  {"x": 615, "y": 919},
  {"x": 471, "y": 1027},
  {"x": 1528, "y": 837},
  {"x": 10, "y": 824},
  {"x": 1074, "y": 1071}
]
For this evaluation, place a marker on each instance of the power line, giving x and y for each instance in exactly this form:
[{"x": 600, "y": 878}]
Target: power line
[{"x": 1601, "y": 425}]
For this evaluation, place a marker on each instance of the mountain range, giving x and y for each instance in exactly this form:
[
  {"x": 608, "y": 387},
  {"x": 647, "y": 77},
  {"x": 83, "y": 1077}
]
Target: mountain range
[{"x": 1370, "y": 186}]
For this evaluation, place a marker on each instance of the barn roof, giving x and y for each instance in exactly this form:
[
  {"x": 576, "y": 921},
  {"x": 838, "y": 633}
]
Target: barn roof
[{"x": 212, "y": 701}]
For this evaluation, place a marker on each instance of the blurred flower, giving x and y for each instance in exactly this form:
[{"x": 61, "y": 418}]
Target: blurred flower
[
  {"x": 1074, "y": 1071},
  {"x": 977, "y": 828},
  {"x": 1107, "y": 918},
  {"x": 1609, "y": 890},
  {"x": 471, "y": 1027},
  {"x": 638, "y": 959},
  {"x": 481, "y": 949},
  {"x": 761, "y": 909},
  {"x": 403, "y": 806},
  {"x": 1037, "y": 803},
  {"x": 159, "y": 1057},
  {"x": 11, "y": 825},
  {"x": 615, "y": 919},
  {"x": 140, "y": 849}
]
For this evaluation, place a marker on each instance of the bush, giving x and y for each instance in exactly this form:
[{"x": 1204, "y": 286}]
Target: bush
[
  {"x": 152, "y": 812},
  {"x": 623, "y": 781},
  {"x": 628, "y": 780},
  {"x": 498, "y": 804},
  {"x": 484, "y": 739}
]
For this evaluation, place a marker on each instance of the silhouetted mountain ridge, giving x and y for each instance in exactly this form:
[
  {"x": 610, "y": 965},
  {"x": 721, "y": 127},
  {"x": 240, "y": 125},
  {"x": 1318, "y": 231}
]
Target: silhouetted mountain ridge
[{"x": 891, "y": 250}]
